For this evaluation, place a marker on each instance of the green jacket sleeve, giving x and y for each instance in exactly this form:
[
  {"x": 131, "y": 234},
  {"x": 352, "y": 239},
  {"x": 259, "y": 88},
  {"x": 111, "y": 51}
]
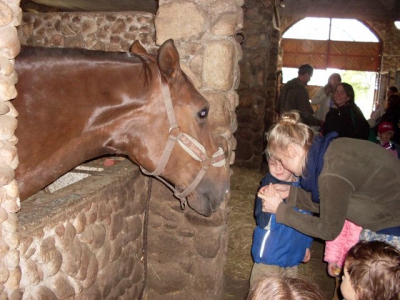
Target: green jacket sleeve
[
  {"x": 335, "y": 193},
  {"x": 301, "y": 199}
]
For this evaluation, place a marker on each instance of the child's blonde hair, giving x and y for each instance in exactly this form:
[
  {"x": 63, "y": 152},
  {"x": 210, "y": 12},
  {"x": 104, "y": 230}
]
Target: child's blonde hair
[
  {"x": 288, "y": 130},
  {"x": 285, "y": 288},
  {"x": 374, "y": 270}
]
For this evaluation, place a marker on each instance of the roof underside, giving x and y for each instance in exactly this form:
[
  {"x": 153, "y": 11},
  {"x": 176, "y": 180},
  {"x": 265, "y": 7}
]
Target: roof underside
[{"x": 385, "y": 10}]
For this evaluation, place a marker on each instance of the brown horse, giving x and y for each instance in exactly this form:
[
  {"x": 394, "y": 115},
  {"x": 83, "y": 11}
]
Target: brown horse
[{"x": 75, "y": 105}]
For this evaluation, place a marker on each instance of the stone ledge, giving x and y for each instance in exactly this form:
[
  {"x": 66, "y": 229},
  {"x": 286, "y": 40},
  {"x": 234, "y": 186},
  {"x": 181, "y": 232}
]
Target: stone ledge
[{"x": 50, "y": 209}]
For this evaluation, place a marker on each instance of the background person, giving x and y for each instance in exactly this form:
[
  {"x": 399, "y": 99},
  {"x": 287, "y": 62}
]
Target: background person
[
  {"x": 380, "y": 108},
  {"x": 294, "y": 96},
  {"x": 323, "y": 97},
  {"x": 392, "y": 115},
  {"x": 343, "y": 179},
  {"x": 346, "y": 118},
  {"x": 385, "y": 134},
  {"x": 336, "y": 251}
]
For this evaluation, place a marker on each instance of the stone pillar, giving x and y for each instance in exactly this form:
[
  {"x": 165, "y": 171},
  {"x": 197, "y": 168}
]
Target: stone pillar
[
  {"x": 257, "y": 80},
  {"x": 203, "y": 32},
  {"x": 390, "y": 38},
  {"x": 10, "y": 272},
  {"x": 186, "y": 251}
]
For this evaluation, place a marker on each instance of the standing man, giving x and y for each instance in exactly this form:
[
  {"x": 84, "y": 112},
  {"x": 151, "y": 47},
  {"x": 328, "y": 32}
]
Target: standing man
[
  {"x": 294, "y": 96},
  {"x": 323, "y": 97}
]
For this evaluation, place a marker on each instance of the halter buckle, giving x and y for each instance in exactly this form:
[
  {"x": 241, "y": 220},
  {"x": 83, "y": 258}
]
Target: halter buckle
[{"x": 173, "y": 130}]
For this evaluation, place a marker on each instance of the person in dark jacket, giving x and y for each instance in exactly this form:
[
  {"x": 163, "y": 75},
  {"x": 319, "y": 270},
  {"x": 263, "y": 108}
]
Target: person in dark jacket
[
  {"x": 294, "y": 96},
  {"x": 346, "y": 118}
]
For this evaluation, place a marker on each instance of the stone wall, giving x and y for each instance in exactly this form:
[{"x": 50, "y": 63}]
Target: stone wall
[
  {"x": 187, "y": 252},
  {"x": 257, "y": 88},
  {"x": 85, "y": 241},
  {"x": 96, "y": 31},
  {"x": 10, "y": 270}
]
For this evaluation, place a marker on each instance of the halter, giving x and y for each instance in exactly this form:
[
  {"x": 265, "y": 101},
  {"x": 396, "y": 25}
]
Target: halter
[{"x": 189, "y": 144}]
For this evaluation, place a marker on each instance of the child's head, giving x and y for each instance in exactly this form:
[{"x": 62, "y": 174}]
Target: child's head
[
  {"x": 289, "y": 141},
  {"x": 285, "y": 288},
  {"x": 278, "y": 171},
  {"x": 385, "y": 132},
  {"x": 371, "y": 271}
]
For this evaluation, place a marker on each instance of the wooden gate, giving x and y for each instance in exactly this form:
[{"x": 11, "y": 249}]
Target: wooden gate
[{"x": 357, "y": 56}]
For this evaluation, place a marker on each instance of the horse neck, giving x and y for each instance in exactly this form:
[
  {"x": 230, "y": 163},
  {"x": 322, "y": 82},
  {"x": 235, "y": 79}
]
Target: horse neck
[{"x": 92, "y": 121}]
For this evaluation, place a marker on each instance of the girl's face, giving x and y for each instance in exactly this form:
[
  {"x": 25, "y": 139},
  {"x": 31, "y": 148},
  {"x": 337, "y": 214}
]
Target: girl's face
[
  {"x": 278, "y": 171},
  {"x": 346, "y": 287},
  {"x": 294, "y": 159},
  {"x": 340, "y": 96}
]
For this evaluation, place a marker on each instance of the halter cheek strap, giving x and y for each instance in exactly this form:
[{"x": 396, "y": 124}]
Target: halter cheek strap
[{"x": 195, "y": 149}]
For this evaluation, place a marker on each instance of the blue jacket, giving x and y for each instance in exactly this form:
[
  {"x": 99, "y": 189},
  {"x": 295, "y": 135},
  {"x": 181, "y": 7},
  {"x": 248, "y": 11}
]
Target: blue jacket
[{"x": 275, "y": 243}]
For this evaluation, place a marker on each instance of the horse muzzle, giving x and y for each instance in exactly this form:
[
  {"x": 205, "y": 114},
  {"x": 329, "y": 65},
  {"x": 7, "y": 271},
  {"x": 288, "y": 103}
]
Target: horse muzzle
[{"x": 209, "y": 195}]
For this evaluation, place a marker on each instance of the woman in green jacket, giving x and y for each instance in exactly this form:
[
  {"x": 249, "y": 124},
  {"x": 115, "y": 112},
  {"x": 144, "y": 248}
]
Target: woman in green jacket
[{"x": 341, "y": 178}]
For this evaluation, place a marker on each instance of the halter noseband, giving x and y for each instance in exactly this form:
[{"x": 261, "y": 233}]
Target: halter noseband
[{"x": 189, "y": 144}]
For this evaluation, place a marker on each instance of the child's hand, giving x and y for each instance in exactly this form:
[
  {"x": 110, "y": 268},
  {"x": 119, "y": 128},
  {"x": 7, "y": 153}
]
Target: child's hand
[
  {"x": 270, "y": 198},
  {"x": 333, "y": 269},
  {"x": 307, "y": 256},
  {"x": 262, "y": 189},
  {"x": 282, "y": 189}
]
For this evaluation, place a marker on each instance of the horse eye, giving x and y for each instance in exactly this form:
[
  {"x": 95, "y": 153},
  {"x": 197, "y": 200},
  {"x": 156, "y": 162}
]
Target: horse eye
[{"x": 203, "y": 113}]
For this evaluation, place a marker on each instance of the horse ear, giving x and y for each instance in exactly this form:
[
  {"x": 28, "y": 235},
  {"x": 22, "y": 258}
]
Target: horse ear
[
  {"x": 137, "y": 48},
  {"x": 168, "y": 59}
]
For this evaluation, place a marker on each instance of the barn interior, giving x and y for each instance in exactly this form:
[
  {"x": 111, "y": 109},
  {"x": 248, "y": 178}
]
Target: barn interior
[
  {"x": 188, "y": 254},
  {"x": 378, "y": 16}
]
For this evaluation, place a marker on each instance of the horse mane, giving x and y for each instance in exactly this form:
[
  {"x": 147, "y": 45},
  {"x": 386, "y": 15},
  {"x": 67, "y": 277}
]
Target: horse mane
[
  {"x": 148, "y": 75},
  {"x": 79, "y": 53},
  {"x": 144, "y": 59}
]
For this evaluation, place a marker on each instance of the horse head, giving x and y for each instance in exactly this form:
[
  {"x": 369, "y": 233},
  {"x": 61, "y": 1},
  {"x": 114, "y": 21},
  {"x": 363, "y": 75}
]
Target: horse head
[
  {"x": 183, "y": 152},
  {"x": 139, "y": 105}
]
